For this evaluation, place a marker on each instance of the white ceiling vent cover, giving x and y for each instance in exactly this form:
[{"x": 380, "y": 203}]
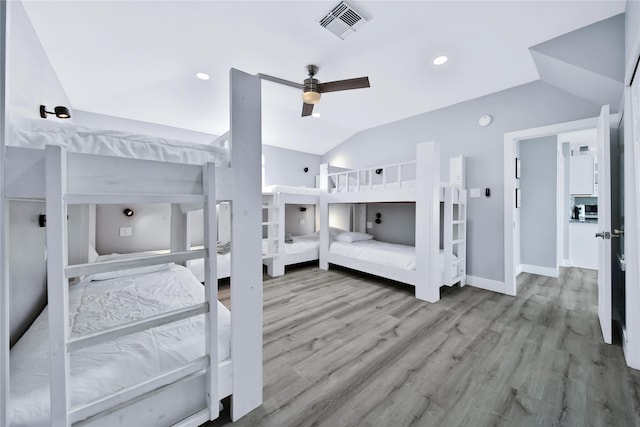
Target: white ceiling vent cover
[{"x": 343, "y": 20}]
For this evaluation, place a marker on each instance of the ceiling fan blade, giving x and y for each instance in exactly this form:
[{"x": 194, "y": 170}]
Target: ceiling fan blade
[
  {"x": 307, "y": 109},
  {"x": 358, "y": 83},
  {"x": 280, "y": 81}
]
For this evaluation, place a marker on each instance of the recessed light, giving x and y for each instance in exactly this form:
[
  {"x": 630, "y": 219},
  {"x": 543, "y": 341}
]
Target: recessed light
[
  {"x": 203, "y": 76},
  {"x": 315, "y": 115},
  {"x": 439, "y": 60}
]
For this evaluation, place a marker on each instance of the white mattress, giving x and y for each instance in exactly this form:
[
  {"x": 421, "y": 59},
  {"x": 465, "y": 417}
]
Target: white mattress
[
  {"x": 392, "y": 254},
  {"x": 113, "y": 365},
  {"x": 375, "y": 187},
  {"x": 290, "y": 189},
  {"x": 302, "y": 243},
  {"x": 196, "y": 266},
  {"x": 115, "y": 143}
]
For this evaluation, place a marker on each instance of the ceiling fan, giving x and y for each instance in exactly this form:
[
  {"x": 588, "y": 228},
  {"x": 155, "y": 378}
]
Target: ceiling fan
[{"x": 312, "y": 88}]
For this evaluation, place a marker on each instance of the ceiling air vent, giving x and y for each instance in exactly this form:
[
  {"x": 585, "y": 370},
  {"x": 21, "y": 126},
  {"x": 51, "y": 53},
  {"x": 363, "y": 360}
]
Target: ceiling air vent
[{"x": 343, "y": 20}]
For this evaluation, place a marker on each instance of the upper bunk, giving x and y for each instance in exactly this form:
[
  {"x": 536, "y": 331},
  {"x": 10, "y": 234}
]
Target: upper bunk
[
  {"x": 397, "y": 182},
  {"x": 106, "y": 162},
  {"x": 288, "y": 194}
]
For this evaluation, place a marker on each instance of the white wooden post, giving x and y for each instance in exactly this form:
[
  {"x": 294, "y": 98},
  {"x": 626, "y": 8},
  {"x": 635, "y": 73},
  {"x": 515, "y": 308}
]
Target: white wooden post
[
  {"x": 57, "y": 285},
  {"x": 278, "y": 263},
  {"x": 179, "y": 238},
  {"x": 210, "y": 286},
  {"x": 427, "y": 221},
  {"x": 246, "y": 240},
  {"x": 448, "y": 235},
  {"x": 4, "y": 228},
  {"x": 324, "y": 217}
]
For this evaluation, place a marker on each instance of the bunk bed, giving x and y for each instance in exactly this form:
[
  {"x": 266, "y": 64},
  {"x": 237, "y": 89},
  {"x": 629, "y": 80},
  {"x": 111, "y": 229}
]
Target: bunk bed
[
  {"x": 279, "y": 248},
  {"x": 138, "y": 340},
  {"x": 440, "y": 211}
]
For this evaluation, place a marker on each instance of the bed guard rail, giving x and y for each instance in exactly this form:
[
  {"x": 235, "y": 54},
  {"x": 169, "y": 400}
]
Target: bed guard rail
[{"x": 386, "y": 177}]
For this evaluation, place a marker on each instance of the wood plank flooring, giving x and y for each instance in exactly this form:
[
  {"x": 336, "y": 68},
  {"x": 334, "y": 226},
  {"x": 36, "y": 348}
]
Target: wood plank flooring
[{"x": 346, "y": 349}]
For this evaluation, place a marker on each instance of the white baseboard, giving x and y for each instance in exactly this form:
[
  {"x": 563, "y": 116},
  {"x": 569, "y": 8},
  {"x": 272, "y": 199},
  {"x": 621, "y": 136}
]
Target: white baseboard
[
  {"x": 565, "y": 263},
  {"x": 518, "y": 269},
  {"x": 487, "y": 284},
  {"x": 541, "y": 271}
]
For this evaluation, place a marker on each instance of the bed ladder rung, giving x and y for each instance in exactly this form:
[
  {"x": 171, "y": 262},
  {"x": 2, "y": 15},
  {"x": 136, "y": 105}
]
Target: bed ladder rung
[
  {"x": 78, "y": 270},
  {"x": 118, "y": 331},
  {"x": 115, "y": 199},
  {"x": 102, "y": 406}
]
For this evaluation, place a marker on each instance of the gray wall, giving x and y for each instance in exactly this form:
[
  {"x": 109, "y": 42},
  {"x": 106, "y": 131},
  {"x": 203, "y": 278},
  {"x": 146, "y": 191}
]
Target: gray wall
[
  {"x": 32, "y": 82},
  {"x": 286, "y": 167},
  {"x": 394, "y": 220},
  {"x": 293, "y": 216},
  {"x": 456, "y": 130},
  {"x": 539, "y": 210},
  {"x": 632, "y": 28}
]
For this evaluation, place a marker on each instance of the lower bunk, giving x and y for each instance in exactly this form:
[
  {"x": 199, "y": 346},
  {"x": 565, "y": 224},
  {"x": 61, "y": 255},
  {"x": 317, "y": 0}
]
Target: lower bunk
[
  {"x": 297, "y": 249},
  {"x": 105, "y": 300},
  {"x": 389, "y": 260}
]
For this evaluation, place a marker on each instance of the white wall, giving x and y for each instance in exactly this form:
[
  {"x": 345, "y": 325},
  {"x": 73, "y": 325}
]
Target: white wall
[
  {"x": 456, "y": 129},
  {"x": 293, "y": 216},
  {"x": 539, "y": 211},
  {"x": 31, "y": 82},
  {"x": 286, "y": 167}
]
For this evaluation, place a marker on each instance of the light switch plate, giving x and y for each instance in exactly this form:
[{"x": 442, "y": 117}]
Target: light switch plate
[
  {"x": 369, "y": 224},
  {"x": 474, "y": 192},
  {"x": 302, "y": 222},
  {"x": 125, "y": 231}
]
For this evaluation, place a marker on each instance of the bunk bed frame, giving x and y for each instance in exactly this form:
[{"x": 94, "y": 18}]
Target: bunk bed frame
[
  {"x": 274, "y": 203},
  {"x": 426, "y": 190},
  {"x": 63, "y": 178}
]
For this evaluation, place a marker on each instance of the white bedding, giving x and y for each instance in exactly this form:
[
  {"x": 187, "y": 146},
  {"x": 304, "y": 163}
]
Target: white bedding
[
  {"x": 112, "y": 365},
  {"x": 114, "y": 143},
  {"x": 375, "y": 187},
  {"x": 300, "y": 244},
  {"x": 392, "y": 254},
  {"x": 196, "y": 266},
  {"x": 290, "y": 189}
]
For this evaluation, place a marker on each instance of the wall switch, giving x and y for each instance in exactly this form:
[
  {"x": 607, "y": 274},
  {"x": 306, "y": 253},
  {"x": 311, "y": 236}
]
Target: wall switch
[
  {"x": 369, "y": 224},
  {"x": 474, "y": 192},
  {"x": 302, "y": 222},
  {"x": 125, "y": 231}
]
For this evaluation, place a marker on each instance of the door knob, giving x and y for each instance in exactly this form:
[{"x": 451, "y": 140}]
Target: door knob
[{"x": 604, "y": 235}]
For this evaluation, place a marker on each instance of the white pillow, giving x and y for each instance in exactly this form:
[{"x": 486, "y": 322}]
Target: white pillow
[
  {"x": 353, "y": 236},
  {"x": 127, "y": 272}
]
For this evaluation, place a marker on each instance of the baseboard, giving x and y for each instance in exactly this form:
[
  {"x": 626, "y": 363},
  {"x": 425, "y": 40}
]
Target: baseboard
[
  {"x": 541, "y": 271},
  {"x": 518, "y": 269},
  {"x": 487, "y": 284},
  {"x": 565, "y": 263}
]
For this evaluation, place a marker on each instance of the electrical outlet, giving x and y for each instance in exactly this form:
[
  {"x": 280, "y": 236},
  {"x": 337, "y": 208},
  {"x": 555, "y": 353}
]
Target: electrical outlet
[
  {"x": 474, "y": 192},
  {"x": 369, "y": 224},
  {"x": 302, "y": 222},
  {"x": 125, "y": 231}
]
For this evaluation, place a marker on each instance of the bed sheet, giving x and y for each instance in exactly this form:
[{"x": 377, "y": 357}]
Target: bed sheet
[
  {"x": 113, "y": 365},
  {"x": 196, "y": 266},
  {"x": 392, "y": 254},
  {"x": 376, "y": 187},
  {"x": 114, "y": 143}
]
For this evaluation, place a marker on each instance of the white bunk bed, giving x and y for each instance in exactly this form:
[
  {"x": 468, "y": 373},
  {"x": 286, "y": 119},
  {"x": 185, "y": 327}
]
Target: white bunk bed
[
  {"x": 427, "y": 266},
  {"x": 198, "y": 352},
  {"x": 277, "y": 252}
]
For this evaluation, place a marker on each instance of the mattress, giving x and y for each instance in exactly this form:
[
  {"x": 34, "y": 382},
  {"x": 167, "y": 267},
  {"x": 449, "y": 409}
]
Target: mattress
[
  {"x": 300, "y": 244},
  {"x": 291, "y": 190},
  {"x": 115, "y": 143},
  {"x": 375, "y": 187},
  {"x": 391, "y": 254},
  {"x": 113, "y": 365},
  {"x": 196, "y": 266}
]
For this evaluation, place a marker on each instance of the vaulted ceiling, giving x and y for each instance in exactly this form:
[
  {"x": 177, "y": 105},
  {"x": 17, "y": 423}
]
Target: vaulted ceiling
[{"x": 138, "y": 59}]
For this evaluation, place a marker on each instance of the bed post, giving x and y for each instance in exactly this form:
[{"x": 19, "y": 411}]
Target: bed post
[
  {"x": 324, "y": 217},
  {"x": 246, "y": 232},
  {"x": 179, "y": 241},
  {"x": 427, "y": 221},
  {"x": 4, "y": 226}
]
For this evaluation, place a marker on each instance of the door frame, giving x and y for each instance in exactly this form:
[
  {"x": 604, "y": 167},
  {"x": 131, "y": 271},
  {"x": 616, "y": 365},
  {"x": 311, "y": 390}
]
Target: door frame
[{"x": 510, "y": 140}]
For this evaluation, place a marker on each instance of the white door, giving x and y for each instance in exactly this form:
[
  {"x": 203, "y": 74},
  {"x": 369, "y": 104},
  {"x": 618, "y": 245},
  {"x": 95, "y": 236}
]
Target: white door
[{"x": 604, "y": 225}]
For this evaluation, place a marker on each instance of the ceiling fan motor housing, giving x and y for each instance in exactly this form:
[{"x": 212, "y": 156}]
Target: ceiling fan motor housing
[{"x": 311, "y": 85}]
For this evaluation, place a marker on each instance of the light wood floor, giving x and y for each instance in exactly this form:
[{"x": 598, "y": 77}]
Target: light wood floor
[{"x": 345, "y": 349}]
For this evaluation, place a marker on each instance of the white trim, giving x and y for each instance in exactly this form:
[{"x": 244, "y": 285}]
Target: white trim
[
  {"x": 539, "y": 270},
  {"x": 561, "y": 215},
  {"x": 487, "y": 284},
  {"x": 510, "y": 139},
  {"x": 565, "y": 263},
  {"x": 518, "y": 269}
]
